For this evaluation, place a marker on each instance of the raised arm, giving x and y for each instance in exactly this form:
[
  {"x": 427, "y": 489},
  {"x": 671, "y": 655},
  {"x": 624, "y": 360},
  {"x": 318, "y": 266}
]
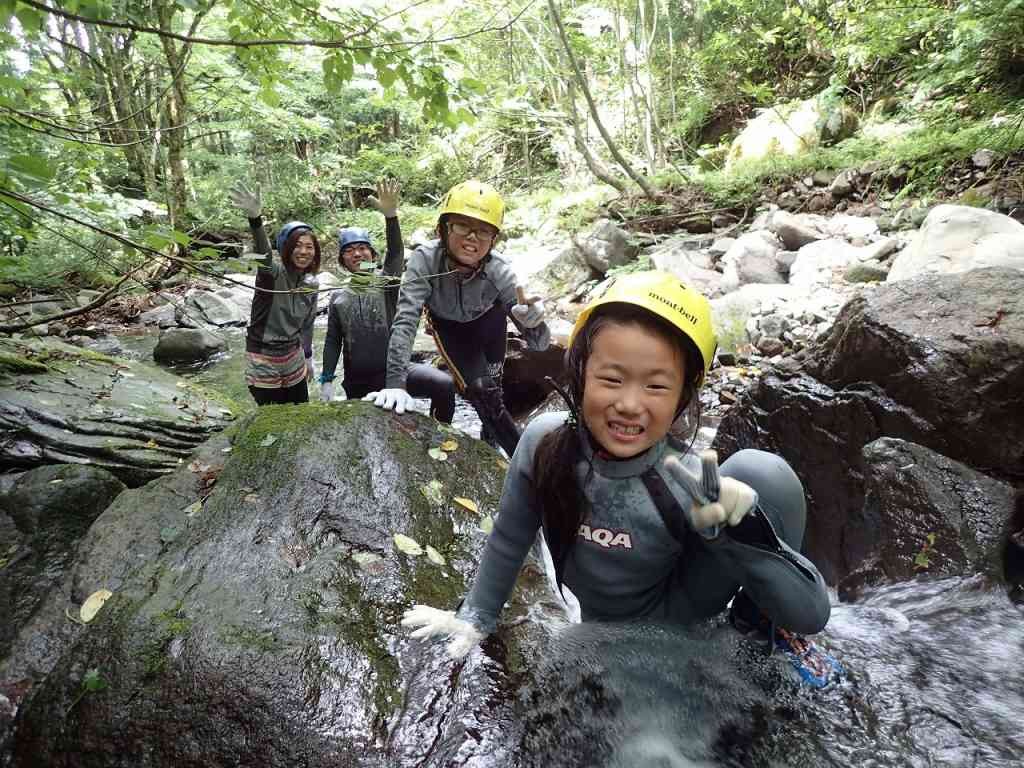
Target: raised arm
[
  {"x": 386, "y": 201},
  {"x": 251, "y": 204}
]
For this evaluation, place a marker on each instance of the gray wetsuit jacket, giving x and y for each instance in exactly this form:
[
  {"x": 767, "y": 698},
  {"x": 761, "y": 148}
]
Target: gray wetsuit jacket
[
  {"x": 626, "y": 565},
  {"x": 429, "y": 282},
  {"x": 359, "y": 322},
  {"x": 280, "y": 321}
]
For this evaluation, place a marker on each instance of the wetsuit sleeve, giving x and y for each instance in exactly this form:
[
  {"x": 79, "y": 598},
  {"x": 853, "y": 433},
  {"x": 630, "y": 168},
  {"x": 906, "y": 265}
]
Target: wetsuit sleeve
[
  {"x": 394, "y": 264},
  {"x": 412, "y": 295},
  {"x": 332, "y": 344},
  {"x": 515, "y": 530},
  {"x": 307, "y": 324},
  {"x": 261, "y": 243}
]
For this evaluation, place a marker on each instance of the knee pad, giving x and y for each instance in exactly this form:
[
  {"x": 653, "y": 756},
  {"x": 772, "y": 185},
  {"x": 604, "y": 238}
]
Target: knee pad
[{"x": 780, "y": 492}]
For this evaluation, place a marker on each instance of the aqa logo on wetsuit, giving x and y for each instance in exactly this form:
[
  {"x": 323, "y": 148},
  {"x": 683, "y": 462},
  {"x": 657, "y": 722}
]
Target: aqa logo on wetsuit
[{"x": 606, "y": 538}]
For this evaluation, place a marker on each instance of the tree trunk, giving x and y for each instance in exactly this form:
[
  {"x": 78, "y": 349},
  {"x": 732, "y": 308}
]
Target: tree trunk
[{"x": 613, "y": 148}]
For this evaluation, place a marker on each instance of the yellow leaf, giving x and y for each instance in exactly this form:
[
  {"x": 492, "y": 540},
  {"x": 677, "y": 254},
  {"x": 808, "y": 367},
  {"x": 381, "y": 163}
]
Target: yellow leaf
[
  {"x": 467, "y": 503},
  {"x": 434, "y": 556},
  {"x": 151, "y": 444},
  {"x": 93, "y": 603},
  {"x": 407, "y": 545},
  {"x": 449, "y": 445},
  {"x": 487, "y": 525},
  {"x": 502, "y": 464}
]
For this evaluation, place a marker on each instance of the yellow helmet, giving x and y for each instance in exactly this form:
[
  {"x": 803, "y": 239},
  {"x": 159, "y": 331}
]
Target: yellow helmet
[
  {"x": 666, "y": 297},
  {"x": 477, "y": 200}
]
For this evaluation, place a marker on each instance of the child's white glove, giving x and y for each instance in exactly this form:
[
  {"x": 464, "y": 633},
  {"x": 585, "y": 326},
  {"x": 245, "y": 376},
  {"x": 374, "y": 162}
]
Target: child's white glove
[
  {"x": 248, "y": 200},
  {"x": 433, "y": 622},
  {"x": 717, "y": 500},
  {"x": 327, "y": 391},
  {"x": 393, "y": 398},
  {"x": 529, "y": 315}
]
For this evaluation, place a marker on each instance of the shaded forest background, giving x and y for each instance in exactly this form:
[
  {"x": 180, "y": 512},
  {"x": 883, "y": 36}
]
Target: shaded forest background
[{"x": 124, "y": 124}]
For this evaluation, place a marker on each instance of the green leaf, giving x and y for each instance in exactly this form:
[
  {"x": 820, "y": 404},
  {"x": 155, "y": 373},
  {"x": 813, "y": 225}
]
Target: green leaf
[
  {"x": 434, "y": 556},
  {"x": 29, "y": 18},
  {"x": 386, "y": 77},
  {"x": 92, "y": 681},
  {"x": 31, "y": 167},
  {"x": 180, "y": 237},
  {"x": 407, "y": 545}
]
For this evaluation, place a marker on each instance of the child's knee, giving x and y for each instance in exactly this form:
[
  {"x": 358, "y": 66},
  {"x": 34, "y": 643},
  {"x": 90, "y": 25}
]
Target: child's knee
[{"x": 779, "y": 490}]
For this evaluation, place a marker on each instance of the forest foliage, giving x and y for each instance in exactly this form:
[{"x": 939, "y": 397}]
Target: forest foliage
[{"x": 123, "y": 123}]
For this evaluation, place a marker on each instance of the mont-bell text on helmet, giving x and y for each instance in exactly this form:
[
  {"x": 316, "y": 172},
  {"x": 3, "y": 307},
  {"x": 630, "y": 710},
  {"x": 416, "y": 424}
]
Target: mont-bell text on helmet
[{"x": 674, "y": 306}]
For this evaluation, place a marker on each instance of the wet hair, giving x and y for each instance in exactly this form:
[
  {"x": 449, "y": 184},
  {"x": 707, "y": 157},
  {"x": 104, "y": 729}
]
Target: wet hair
[
  {"x": 289, "y": 246},
  {"x": 560, "y": 499}
]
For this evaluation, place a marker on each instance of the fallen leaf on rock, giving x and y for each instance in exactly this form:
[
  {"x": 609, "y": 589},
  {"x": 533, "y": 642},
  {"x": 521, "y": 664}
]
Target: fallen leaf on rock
[
  {"x": 93, "y": 603},
  {"x": 434, "y": 556},
  {"x": 193, "y": 509},
  {"x": 268, "y": 441},
  {"x": 407, "y": 545},
  {"x": 487, "y": 525},
  {"x": 502, "y": 464},
  {"x": 467, "y": 503},
  {"x": 58, "y": 481},
  {"x": 437, "y": 454},
  {"x": 449, "y": 445},
  {"x": 151, "y": 444}
]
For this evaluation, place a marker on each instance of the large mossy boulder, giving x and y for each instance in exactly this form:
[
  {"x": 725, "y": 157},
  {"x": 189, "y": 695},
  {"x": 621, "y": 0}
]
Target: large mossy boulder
[
  {"x": 257, "y": 593},
  {"x": 60, "y": 404},
  {"x": 937, "y": 361}
]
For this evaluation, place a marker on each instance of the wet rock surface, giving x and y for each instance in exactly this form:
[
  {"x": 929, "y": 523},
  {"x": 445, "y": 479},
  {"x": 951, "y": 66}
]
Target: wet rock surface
[
  {"x": 61, "y": 404},
  {"x": 936, "y": 361}
]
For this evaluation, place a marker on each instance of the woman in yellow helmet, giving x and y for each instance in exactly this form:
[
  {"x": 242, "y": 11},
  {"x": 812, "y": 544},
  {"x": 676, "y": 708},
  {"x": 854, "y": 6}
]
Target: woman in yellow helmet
[
  {"x": 637, "y": 526},
  {"x": 469, "y": 293}
]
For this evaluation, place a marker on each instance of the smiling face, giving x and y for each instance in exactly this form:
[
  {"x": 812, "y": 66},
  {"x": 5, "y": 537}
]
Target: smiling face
[
  {"x": 633, "y": 383},
  {"x": 304, "y": 252},
  {"x": 469, "y": 239},
  {"x": 354, "y": 255}
]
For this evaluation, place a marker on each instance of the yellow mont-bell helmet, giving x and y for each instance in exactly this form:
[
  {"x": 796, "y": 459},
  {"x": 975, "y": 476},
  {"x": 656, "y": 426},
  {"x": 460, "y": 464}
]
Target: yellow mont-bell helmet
[
  {"x": 475, "y": 199},
  {"x": 662, "y": 294}
]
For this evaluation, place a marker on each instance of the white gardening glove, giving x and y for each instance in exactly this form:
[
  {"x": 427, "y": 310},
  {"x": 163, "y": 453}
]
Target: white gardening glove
[
  {"x": 717, "y": 500},
  {"x": 529, "y": 315},
  {"x": 433, "y": 622},
  {"x": 386, "y": 200},
  {"x": 310, "y": 370},
  {"x": 248, "y": 200},
  {"x": 327, "y": 391},
  {"x": 391, "y": 399}
]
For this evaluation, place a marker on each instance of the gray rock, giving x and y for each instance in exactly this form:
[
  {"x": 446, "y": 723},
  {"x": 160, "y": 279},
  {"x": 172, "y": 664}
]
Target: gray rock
[
  {"x": 208, "y": 308},
  {"x": 794, "y": 231},
  {"x": 842, "y": 185},
  {"x": 187, "y": 345},
  {"x": 957, "y": 238},
  {"x": 607, "y": 246},
  {"x": 163, "y": 316},
  {"x": 934, "y": 360},
  {"x": 751, "y": 259},
  {"x": 865, "y": 273},
  {"x": 983, "y": 158}
]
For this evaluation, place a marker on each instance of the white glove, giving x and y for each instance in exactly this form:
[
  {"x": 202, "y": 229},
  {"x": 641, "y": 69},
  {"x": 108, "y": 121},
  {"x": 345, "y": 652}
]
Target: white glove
[
  {"x": 327, "y": 391},
  {"x": 249, "y": 201},
  {"x": 310, "y": 370},
  {"x": 734, "y": 499},
  {"x": 432, "y": 622},
  {"x": 391, "y": 399},
  {"x": 529, "y": 315}
]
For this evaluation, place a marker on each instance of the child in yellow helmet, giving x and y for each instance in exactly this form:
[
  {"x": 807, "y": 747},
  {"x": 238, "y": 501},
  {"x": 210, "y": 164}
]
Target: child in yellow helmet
[
  {"x": 469, "y": 293},
  {"x": 638, "y": 527}
]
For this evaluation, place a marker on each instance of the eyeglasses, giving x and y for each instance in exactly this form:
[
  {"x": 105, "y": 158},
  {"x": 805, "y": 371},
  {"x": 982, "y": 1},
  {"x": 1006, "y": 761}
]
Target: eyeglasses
[{"x": 465, "y": 230}]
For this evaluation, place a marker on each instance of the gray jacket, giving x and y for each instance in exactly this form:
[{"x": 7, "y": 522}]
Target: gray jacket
[
  {"x": 280, "y": 321},
  {"x": 429, "y": 281},
  {"x": 359, "y": 322},
  {"x": 626, "y": 564}
]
